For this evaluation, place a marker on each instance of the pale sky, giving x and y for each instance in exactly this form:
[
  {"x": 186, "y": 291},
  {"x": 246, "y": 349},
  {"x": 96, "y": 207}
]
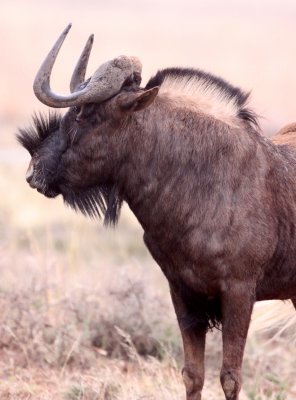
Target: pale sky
[{"x": 250, "y": 43}]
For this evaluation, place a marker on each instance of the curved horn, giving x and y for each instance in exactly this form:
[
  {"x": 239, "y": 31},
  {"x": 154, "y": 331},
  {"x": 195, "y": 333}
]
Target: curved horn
[
  {"x": 137, "y": 69},
  {"x": 105, "y": 82},
  {"x": 78, "y": 76}
]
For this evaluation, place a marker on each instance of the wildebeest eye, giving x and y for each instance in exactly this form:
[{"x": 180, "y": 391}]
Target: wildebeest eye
[
  {"x": 76, "y": 109},
  {"x": 85, "y": 113}
]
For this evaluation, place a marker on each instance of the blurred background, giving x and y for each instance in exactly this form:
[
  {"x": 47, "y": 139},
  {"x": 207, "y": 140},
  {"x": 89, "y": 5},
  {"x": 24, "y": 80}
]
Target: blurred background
[{"x": 84, "y": 311}]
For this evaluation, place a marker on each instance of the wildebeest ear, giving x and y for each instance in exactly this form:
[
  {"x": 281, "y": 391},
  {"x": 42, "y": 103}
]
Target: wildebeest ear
[{"x": 138, "y": 101}]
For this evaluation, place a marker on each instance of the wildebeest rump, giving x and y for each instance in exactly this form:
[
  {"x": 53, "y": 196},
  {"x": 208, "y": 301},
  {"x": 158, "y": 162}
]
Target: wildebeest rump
[
  {"x": 286, "y": 135},
  {"x": 216, "y": 199}
]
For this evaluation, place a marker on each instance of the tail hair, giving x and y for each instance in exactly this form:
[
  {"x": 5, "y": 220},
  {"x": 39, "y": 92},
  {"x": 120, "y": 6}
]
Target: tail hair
[{"x": 274, "y": 317}]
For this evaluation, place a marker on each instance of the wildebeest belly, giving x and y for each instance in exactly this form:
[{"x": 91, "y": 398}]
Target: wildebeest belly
[{"x": 278, "y": 281}]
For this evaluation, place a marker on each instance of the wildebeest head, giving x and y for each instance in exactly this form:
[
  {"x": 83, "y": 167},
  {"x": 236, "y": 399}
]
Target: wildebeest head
[{"x": 73, "y": 155}]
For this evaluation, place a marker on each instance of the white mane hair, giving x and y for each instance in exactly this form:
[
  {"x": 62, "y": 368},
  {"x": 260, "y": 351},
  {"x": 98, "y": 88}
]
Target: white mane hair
[{"x": 204, "y": 93}]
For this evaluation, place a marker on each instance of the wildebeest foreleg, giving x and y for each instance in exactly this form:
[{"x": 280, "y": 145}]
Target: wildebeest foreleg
[
  {"x": 194, "y": 349},
  {"x": 237, "y": 304},
  {"x": 193, "y": 338}
]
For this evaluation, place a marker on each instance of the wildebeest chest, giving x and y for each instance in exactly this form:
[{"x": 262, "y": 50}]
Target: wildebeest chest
[{"x": 201, "y": 275}]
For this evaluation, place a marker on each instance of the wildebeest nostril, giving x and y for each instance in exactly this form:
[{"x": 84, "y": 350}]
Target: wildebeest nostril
[{"x": 30, "y": 173}]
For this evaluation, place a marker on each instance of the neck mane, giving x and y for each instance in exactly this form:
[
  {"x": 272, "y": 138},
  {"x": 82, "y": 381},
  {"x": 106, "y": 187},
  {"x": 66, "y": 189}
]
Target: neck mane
[{"x": 206, "y": 94}]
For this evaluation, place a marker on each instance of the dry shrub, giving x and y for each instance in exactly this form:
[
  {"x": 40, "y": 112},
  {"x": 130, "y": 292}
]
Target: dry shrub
[{"x": 82, "y": 326}]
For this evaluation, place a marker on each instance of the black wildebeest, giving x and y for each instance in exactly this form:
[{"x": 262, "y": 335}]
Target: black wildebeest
[{"x": 216, "y": 199}]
